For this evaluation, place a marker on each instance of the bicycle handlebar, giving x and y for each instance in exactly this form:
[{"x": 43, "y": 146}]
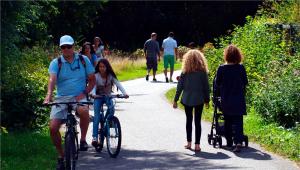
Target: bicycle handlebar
[
  {"x": 121, "y": 96},
  {"x": 67, "y": 103}
]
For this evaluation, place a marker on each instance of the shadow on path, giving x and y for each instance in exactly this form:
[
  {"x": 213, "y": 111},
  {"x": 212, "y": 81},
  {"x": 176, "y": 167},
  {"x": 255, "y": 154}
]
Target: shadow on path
[
  {"x": 252, "y": 153},
  {"x": 157, "y": 81},
  {"x": 140, "y": 159}
]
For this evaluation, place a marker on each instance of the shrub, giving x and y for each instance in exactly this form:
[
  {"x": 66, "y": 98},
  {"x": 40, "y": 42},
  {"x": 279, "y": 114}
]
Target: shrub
[
  {"x": 278, "y": 97},
  {"x": 24, "y": 84},
  {"x": 181, "y": 51}
]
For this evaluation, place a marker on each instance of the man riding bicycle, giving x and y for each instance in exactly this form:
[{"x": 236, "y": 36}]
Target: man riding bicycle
[{"x": 70, "y": 73}]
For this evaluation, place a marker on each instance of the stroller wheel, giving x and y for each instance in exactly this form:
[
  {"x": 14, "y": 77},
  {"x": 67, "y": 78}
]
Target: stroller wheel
[
  {"x": 220, "y": 141},
  {"x": 246, "y": 140},
  {"x": 209, "y": 138}
]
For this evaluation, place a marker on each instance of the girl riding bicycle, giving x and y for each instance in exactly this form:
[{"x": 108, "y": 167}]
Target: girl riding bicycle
[{"x": 105, "y": 80}]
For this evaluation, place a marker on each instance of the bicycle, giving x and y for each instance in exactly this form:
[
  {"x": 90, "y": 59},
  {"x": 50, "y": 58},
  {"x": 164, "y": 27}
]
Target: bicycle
[
  {"x": 110, "y": 129},
  {"x": 71, "y": 134}
]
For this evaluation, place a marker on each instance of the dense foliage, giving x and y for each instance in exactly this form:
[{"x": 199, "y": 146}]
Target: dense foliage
[
  {"x": 24, "y": 83},
  {"x": 272, "y": 60}
]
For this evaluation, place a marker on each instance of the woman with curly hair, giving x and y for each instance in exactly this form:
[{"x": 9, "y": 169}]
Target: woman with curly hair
[
  {"x": 193, "y": 83},
  {"x": 232, "y": 79}
]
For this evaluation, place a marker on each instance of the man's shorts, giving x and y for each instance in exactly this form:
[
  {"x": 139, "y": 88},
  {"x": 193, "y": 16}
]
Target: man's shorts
[
  {"x": 169, "y": 59},
  {"x": 151, "y": 63},
  {"x": 60, "y": 111}
]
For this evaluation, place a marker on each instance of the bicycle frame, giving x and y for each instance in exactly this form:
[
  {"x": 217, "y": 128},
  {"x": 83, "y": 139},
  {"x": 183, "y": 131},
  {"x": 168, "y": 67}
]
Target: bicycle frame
[
  {"x": 71, "y": 138},
  {"x": 110, "y": 129}
]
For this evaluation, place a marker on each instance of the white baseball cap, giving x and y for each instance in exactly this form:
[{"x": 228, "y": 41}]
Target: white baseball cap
[{"x": 66, "y": 40}]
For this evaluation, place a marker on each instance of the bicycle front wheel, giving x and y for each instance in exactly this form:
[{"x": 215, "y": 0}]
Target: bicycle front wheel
[
  {"x": 114, "y": 137},
  {"x": 71, "y": 153}
]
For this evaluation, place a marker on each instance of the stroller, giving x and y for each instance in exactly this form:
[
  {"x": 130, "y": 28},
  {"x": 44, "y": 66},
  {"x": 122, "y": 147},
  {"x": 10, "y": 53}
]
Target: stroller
[{"x": 217, "y": 127}]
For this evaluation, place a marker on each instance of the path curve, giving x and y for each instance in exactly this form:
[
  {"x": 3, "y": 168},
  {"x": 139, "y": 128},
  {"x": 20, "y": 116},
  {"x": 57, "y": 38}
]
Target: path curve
[{"x": 154, "y": 136}]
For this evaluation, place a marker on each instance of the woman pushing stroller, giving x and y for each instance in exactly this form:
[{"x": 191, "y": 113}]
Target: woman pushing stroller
[{"x": 232, "y": 79}]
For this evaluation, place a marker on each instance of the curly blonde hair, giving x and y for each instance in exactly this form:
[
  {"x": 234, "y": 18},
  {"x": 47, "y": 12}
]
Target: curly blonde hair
[{"x": 194, "y": 61}]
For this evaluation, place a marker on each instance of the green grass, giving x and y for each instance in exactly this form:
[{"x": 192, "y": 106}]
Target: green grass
[
  {"x": 139, "y": 71},
  {"x": 27, "y": 150},
  {"x": 272, "y": 137}
]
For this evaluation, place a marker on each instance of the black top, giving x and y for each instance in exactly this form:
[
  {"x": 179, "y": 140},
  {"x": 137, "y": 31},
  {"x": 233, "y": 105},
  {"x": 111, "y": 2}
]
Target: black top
[
  {"x": 232, "y": 79},
  {"x": 152, "y": 48}
]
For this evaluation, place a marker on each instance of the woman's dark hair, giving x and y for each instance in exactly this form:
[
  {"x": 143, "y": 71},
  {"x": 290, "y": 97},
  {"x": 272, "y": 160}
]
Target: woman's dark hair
[
  {"x": 83, "y": 48},
  {"x": 232, "y": 54},
  {"x": 109, "y": 69}
]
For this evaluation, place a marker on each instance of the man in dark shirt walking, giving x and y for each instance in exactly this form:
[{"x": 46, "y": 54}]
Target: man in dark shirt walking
[{"x": 152, "y": 53}]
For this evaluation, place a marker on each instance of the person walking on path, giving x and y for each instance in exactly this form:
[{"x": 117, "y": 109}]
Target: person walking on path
[
  {"x": 69, "y": 75},
  {"x": 232, "y": 79},
  {"x": 99, "y": 48},
  {"x": 152, "y": 54},
  {"x": 88, "y": 50},
  {"x": 105, "y": 80},
  {"x": 193, "y": 83},
  {"x": 169, "y": 47}
]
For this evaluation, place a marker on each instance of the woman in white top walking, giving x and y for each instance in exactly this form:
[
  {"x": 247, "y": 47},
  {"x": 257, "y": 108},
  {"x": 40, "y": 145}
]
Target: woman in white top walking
[{"x": 99, "y": 48}]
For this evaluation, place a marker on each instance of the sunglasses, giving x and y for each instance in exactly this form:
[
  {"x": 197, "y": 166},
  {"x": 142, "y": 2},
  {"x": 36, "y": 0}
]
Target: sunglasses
[{"x": 66, "y": 46}]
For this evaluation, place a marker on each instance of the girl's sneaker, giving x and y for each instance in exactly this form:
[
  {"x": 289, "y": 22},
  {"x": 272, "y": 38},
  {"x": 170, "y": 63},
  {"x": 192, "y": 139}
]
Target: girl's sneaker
[{"x": 95, "y": 142}]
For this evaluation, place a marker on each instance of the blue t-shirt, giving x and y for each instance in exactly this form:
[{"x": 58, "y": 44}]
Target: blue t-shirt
[
  {"x": 169, "y": 44},
  {"x": 93, "y": 59},
  {"x": 72, "y": 77}
]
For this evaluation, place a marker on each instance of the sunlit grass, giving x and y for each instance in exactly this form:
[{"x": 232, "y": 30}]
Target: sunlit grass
[{"x": 27, "y": 150}]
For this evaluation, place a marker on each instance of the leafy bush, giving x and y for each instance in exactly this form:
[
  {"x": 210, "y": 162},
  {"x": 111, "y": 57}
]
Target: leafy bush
[
  {"x": 181, "y": 51},
  {"x": 278, "y": 97},
  {"x": 24, "y": 84},
  {"x": 272, "y": 70}
]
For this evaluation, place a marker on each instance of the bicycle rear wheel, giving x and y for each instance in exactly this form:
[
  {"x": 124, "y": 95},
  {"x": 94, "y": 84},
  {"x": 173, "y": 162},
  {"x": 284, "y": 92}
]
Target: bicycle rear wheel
[
  {"x": 71, "y": 150},
  {"x": 113, "y": 137}
]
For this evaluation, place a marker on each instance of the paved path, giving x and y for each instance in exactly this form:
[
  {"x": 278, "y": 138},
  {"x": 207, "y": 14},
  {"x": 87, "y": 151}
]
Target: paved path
[{"x": 154, "y": 136}]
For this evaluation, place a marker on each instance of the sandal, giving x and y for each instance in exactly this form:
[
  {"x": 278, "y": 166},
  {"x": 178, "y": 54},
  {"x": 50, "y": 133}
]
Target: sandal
[
  {"x": 197, "y": 148},
  {"x": 188, "y": 147}
]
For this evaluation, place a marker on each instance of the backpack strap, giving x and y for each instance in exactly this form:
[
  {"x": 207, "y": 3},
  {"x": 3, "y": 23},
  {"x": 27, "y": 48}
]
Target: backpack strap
[
  {"x": 84, "y": 65},
  {"x": 59, "y": 65},
  {"x": 82, "y": 60}
]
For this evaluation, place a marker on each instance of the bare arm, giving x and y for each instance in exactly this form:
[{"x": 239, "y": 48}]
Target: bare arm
[
  {"x": 89, "y": 88},
  {"x": 145, "y": 50},
  {"x": 102, "y": 52},
  {"x": 91, "y": 84},
  {"x": 51, "y": 85},
  {"x": 176, "y": 53}
]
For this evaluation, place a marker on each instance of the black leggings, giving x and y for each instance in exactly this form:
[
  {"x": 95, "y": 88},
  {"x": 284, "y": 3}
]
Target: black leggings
[
  {"x": 189, "y": 120},
  {"x": 234, "y": 123}
]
